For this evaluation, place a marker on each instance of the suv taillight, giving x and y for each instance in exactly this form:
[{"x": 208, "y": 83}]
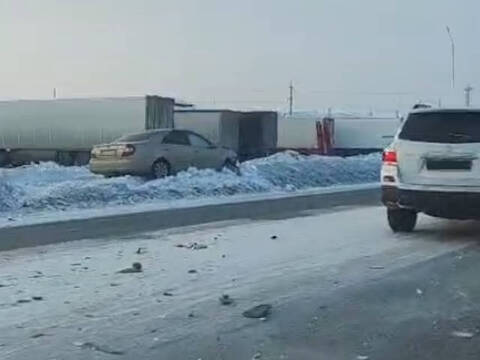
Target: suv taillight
[
  {"x": 389, "y": 157},
  {"x": 128, "y": 150}
]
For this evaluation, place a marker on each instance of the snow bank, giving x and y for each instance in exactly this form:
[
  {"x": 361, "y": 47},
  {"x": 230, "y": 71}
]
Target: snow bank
[{"x": 50, "y": 187}]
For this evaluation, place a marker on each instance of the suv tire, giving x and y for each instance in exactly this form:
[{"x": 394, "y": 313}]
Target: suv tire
[{"x": 401, "y": 220}]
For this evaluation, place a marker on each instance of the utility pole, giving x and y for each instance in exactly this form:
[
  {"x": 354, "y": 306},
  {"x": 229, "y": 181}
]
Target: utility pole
[
  {"x": 54, "y": 93},
  {"x": 290, "y": 98},
  {"x": 452, "y": 44},
  {"x": 468, "y": 91}
]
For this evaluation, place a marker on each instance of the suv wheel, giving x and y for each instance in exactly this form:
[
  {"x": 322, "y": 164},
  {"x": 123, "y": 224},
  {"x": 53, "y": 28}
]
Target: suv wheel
[{"x": 402, "y": 220}]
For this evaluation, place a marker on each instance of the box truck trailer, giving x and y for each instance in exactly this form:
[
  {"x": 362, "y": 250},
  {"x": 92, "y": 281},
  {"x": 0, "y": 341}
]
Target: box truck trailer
[{"x": 250, "y": 134}]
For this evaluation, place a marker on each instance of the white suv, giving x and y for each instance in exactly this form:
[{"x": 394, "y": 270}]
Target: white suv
[{"x": 433, "y": 167}]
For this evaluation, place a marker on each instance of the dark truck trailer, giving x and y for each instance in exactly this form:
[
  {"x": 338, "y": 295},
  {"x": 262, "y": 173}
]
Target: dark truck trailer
[{"x": 250, "y": 134}]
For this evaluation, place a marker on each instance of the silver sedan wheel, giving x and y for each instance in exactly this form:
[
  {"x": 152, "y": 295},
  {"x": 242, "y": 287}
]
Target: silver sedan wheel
[{"x": 160, "y": 169}]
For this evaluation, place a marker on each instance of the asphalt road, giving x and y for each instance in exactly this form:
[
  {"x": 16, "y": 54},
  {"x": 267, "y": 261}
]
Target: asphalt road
[{"x": 341, "y": 285}]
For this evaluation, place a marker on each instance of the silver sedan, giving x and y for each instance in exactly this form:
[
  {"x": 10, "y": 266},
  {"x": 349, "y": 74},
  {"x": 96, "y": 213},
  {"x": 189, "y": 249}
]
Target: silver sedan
[{"x": 160, "y": 153}]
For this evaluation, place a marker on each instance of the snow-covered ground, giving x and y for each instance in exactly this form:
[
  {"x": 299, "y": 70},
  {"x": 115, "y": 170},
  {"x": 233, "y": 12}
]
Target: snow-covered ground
[
  {"x": 84, "y": 299},
  {"x": 47, "y": 189}
]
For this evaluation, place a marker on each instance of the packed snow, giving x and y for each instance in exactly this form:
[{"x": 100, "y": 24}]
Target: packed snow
[{"x": 47, "y": 187}]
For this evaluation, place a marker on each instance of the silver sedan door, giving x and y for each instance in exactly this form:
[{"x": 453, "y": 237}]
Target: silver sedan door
[
  {"x": 205, "y": 155},
  {"x": 177, "y": 150}
]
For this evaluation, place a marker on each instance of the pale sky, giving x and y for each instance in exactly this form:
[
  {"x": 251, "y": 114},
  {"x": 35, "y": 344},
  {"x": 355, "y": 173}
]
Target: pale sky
[{"x": 339, "y": 53}]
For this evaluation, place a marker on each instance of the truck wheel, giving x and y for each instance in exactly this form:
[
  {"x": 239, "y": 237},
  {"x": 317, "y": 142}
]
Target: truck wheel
[
  {"x": 160, "y": 169},
  {"x": 401, "y": 220}
]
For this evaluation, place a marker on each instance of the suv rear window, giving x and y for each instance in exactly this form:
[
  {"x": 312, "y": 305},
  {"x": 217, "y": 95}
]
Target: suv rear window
[{"x": 454, "y": 127}]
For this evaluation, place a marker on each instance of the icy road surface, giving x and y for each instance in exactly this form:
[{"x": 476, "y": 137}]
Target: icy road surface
[
  {"x": 86, "y": 310},
  {"x": 48, "y": 189}
]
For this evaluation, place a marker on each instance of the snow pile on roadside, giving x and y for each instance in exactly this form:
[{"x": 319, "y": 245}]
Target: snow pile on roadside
[{"x": 51, "y": 187}]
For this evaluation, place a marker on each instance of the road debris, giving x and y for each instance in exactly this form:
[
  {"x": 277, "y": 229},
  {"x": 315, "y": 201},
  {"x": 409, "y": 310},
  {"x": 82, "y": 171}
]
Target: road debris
[
  {"x": 419, "y": 292},
  {"x": 114, "y": 284},
  {"x": 136, "y": 268},
  {"x": 35, "y": 336},
  {"x": 192, "y": 246},
  {"x": 225, "y": 300},
  {"x": 37, "y": 298},
  {"x": 257, "y": 355},
  {"x": 38, "y": 274},
  {"x": 23, "y": 301},
  {"x": 140, "y": 251},
  {"x": 167, "y": 293},
  {"x": 191, "y": 314},
  {"x": 95, "y": 347},
  {"x": 362, "y": 357},
  {"x": 192, "y": 271},
  {"x": 196, "y": 246},
  {"x": 376, "y": 267},
  {"x": 463, "y": 334},
  {"x": 259, "y": 311},
  {"x": 273, "y": 237}
]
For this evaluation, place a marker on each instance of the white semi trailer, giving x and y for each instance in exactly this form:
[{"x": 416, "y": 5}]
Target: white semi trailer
[
  {"x": 350, "y": 135},
  {"x": 64, "y": 130}
]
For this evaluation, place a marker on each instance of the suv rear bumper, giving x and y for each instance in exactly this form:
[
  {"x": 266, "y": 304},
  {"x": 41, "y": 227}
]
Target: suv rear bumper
[{"x": 444, "y": 204}]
